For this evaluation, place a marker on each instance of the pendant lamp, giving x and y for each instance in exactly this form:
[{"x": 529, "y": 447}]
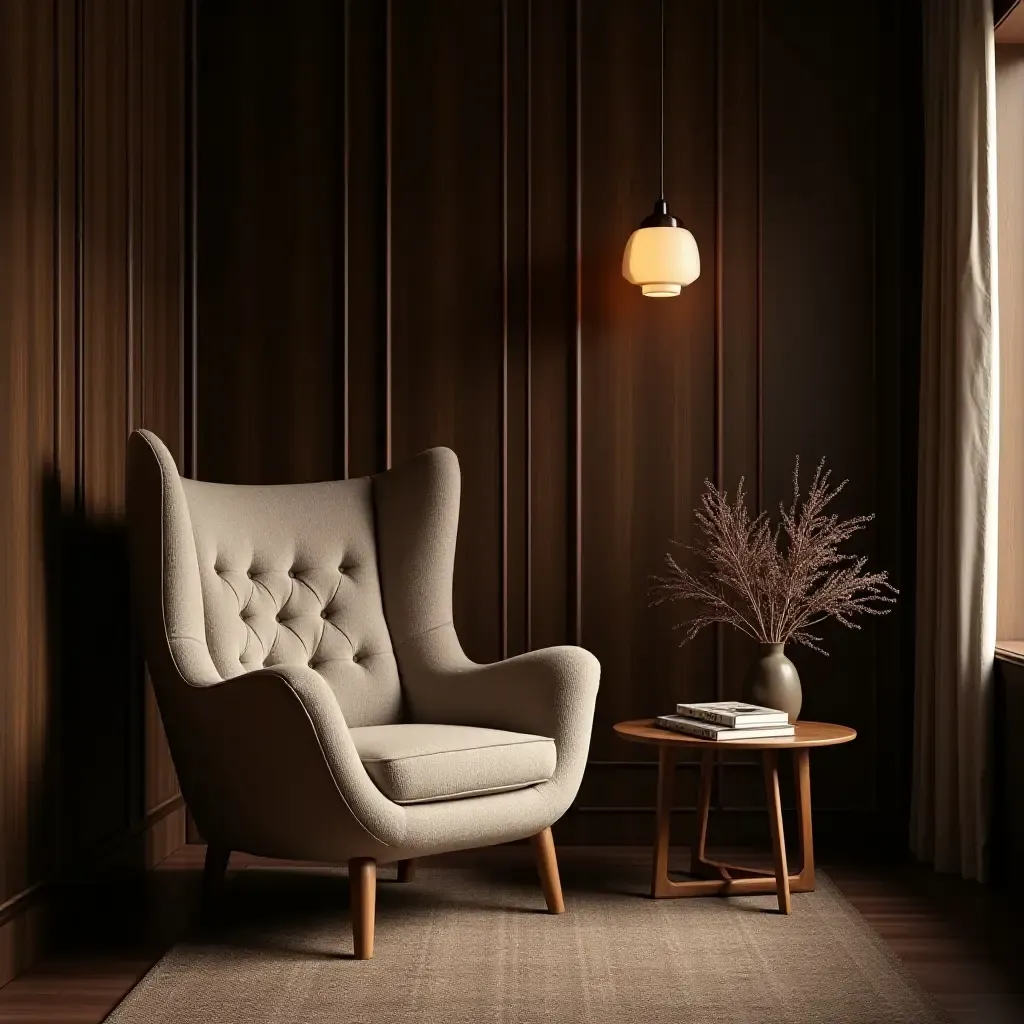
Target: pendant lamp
[{"x": 661, "y": 255}]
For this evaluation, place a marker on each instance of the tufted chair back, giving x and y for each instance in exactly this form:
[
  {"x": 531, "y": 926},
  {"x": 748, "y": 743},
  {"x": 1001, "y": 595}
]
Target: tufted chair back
[
  {"x": 289, "y": 576},
  {"x": 252, "y": 577}
]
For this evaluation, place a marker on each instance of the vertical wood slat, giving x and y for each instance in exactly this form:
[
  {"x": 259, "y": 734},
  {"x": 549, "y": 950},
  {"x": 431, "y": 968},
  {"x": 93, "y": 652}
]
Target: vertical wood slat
[
  {"x": 134, "y": 760},
  {"x": 135, "y": 353},
  {"x": 738, "y": 312},
  {"x": 448, "y": 323},
  {"x": 719, "y": 406},
  {"x": 366, "y": 68},
  {"x": 189, "y": 354},
  {"x": 66, "y": 128},
  {"x": 714, "y": 769},
  {"x": 528, "y": 329},
  {"x": 67, "y": 470},
  {"x": 346, "y": 145},
  {"x": 162, "y": 271},
  {"x": 78, "y": 362},
  {"x": 515, "y": 419},
  {"x": 551, "y": 321},
  {"x": 101, "y": 703},
  {"x": 760, "y": 256},
  {"x": 577, "y": 398},
  {"x": 79, "y": 266},
  {"x": 388, "y": 105},
  {"x": 503, "y": 413},
  {"x": 27, "y": 447}
]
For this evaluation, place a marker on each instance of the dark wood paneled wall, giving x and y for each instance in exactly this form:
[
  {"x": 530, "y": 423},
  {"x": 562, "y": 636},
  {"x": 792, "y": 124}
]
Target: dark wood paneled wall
[
  {"x": 92, "y": 341},
  {"x": 411, "y": 220}
]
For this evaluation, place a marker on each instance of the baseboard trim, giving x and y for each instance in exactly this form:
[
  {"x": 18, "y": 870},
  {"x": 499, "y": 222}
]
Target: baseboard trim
[
  {"x": 148, "y": 841},
  {"x": 25, "y": 917},
  {"x": 22, "y": 930},
  {"x": 692, "y": 809},
  {"x": 113, "y": 849},
  {"x": 21, "y": 902}
]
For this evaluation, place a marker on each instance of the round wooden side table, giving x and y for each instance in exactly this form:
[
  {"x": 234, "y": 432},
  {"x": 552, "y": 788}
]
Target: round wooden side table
[{"x": 713, "y": 877}]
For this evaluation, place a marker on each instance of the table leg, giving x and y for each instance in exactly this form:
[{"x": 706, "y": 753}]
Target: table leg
[
  {"x": 802, "y": 764},
  {"x": 771, "y": 788},
  {"x": 707, "y": 777},
  {"x": 666, "y": 769},
  {"x": 717, "y": 878}
]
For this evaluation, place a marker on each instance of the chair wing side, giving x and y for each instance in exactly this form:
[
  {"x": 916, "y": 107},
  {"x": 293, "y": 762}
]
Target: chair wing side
[
  {"x": 417, "y": 510},
  {"x": 165, "y": 567},
  {"x": 550, "y": 692},
  {"x": 264, "y": 759}
]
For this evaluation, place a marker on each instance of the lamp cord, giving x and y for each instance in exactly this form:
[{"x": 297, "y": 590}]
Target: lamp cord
[{"x": 662, "y": 99}]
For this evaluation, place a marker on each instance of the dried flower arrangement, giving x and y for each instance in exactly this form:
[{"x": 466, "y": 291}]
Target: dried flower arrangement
[{"x": 775, "y": 584}]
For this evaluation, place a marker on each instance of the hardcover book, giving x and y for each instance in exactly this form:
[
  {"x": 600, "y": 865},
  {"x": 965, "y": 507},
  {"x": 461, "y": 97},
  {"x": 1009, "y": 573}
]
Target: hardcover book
[
  {"x": 710, "y": 731},
  {"x": 733, "y": 713}
]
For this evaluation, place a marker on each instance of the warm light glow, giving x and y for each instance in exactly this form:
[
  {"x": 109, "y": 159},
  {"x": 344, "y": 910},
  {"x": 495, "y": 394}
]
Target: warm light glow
[{"x": 662, "y": 261}]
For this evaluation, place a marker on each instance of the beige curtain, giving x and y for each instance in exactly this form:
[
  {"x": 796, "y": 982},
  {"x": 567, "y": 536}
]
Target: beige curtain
[{"x": 958, "y": 447}]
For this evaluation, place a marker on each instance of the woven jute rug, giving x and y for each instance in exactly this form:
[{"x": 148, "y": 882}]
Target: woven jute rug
[{"x": 473, "y": 945}]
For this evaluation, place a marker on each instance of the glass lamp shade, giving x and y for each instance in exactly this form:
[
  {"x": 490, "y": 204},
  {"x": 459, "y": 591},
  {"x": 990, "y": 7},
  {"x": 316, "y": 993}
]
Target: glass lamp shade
[{"x": 662, "y": 260}]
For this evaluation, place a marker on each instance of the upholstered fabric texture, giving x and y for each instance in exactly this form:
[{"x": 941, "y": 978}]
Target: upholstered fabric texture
[
  {"x": 281, "y": 623},
  {"x": 289, "y": 577},
  {"x": 415, "y": 763}
]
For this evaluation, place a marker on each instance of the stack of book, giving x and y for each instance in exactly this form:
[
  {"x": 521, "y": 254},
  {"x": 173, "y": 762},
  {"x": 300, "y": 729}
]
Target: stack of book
[{"x": 727, "y": 720}]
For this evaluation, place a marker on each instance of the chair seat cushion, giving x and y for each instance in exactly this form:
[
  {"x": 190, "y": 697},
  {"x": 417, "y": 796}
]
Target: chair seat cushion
[{"x": 415, "y": 764}]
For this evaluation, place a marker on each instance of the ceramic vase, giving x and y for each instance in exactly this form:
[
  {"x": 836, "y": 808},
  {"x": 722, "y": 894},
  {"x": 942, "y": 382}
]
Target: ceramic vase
[{"x": 774, "y": 681}]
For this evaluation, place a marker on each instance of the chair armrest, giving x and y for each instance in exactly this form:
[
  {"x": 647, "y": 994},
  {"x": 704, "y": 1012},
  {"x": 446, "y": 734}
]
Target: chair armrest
[
  {"x": 262, "y": 755},
  {"x": 542, "y": 692},
  {"x": 549, "y": 692}
]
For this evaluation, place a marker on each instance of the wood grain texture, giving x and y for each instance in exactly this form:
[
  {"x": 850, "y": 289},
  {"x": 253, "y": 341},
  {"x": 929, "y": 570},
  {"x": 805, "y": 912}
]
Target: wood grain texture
[
  {"x": 90, "y": 346},
  {"x": 27, "y": 454},
  {"x": 366, "y": 235},
  {"x": 447, "y": 336},
  {"x": 362, "y": 874},
  {"x": 547, "y": 868},
  {"x": 773, "y": 798},
  {"x": 479, "y": 141},
  {"x": 268, "y": 89},
  {"x": 807, "y": 734},
  {"x": 551, "y": 321},
  {"x": 713, "y": 877},
  {"x": 739, "y": 441}
]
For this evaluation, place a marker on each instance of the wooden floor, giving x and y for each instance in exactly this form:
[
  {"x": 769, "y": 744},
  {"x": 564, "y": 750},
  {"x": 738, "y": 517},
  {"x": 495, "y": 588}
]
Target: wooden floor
[{"x": 962, "y": 941}]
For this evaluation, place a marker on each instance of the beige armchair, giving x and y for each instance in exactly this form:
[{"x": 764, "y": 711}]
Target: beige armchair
[{"x": 316, "y": 699}]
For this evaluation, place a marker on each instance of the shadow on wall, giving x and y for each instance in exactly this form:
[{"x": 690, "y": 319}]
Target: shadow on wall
[{"x": 98, "y": 680}]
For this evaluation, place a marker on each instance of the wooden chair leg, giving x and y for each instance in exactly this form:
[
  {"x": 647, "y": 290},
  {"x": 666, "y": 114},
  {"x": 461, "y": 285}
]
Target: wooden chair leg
[
  {"x": 547, "y": 868},
  {"x": 362, "y": 880},
  {"x": 406, "y": 870},
  {"x": 214, "y": 870}
]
